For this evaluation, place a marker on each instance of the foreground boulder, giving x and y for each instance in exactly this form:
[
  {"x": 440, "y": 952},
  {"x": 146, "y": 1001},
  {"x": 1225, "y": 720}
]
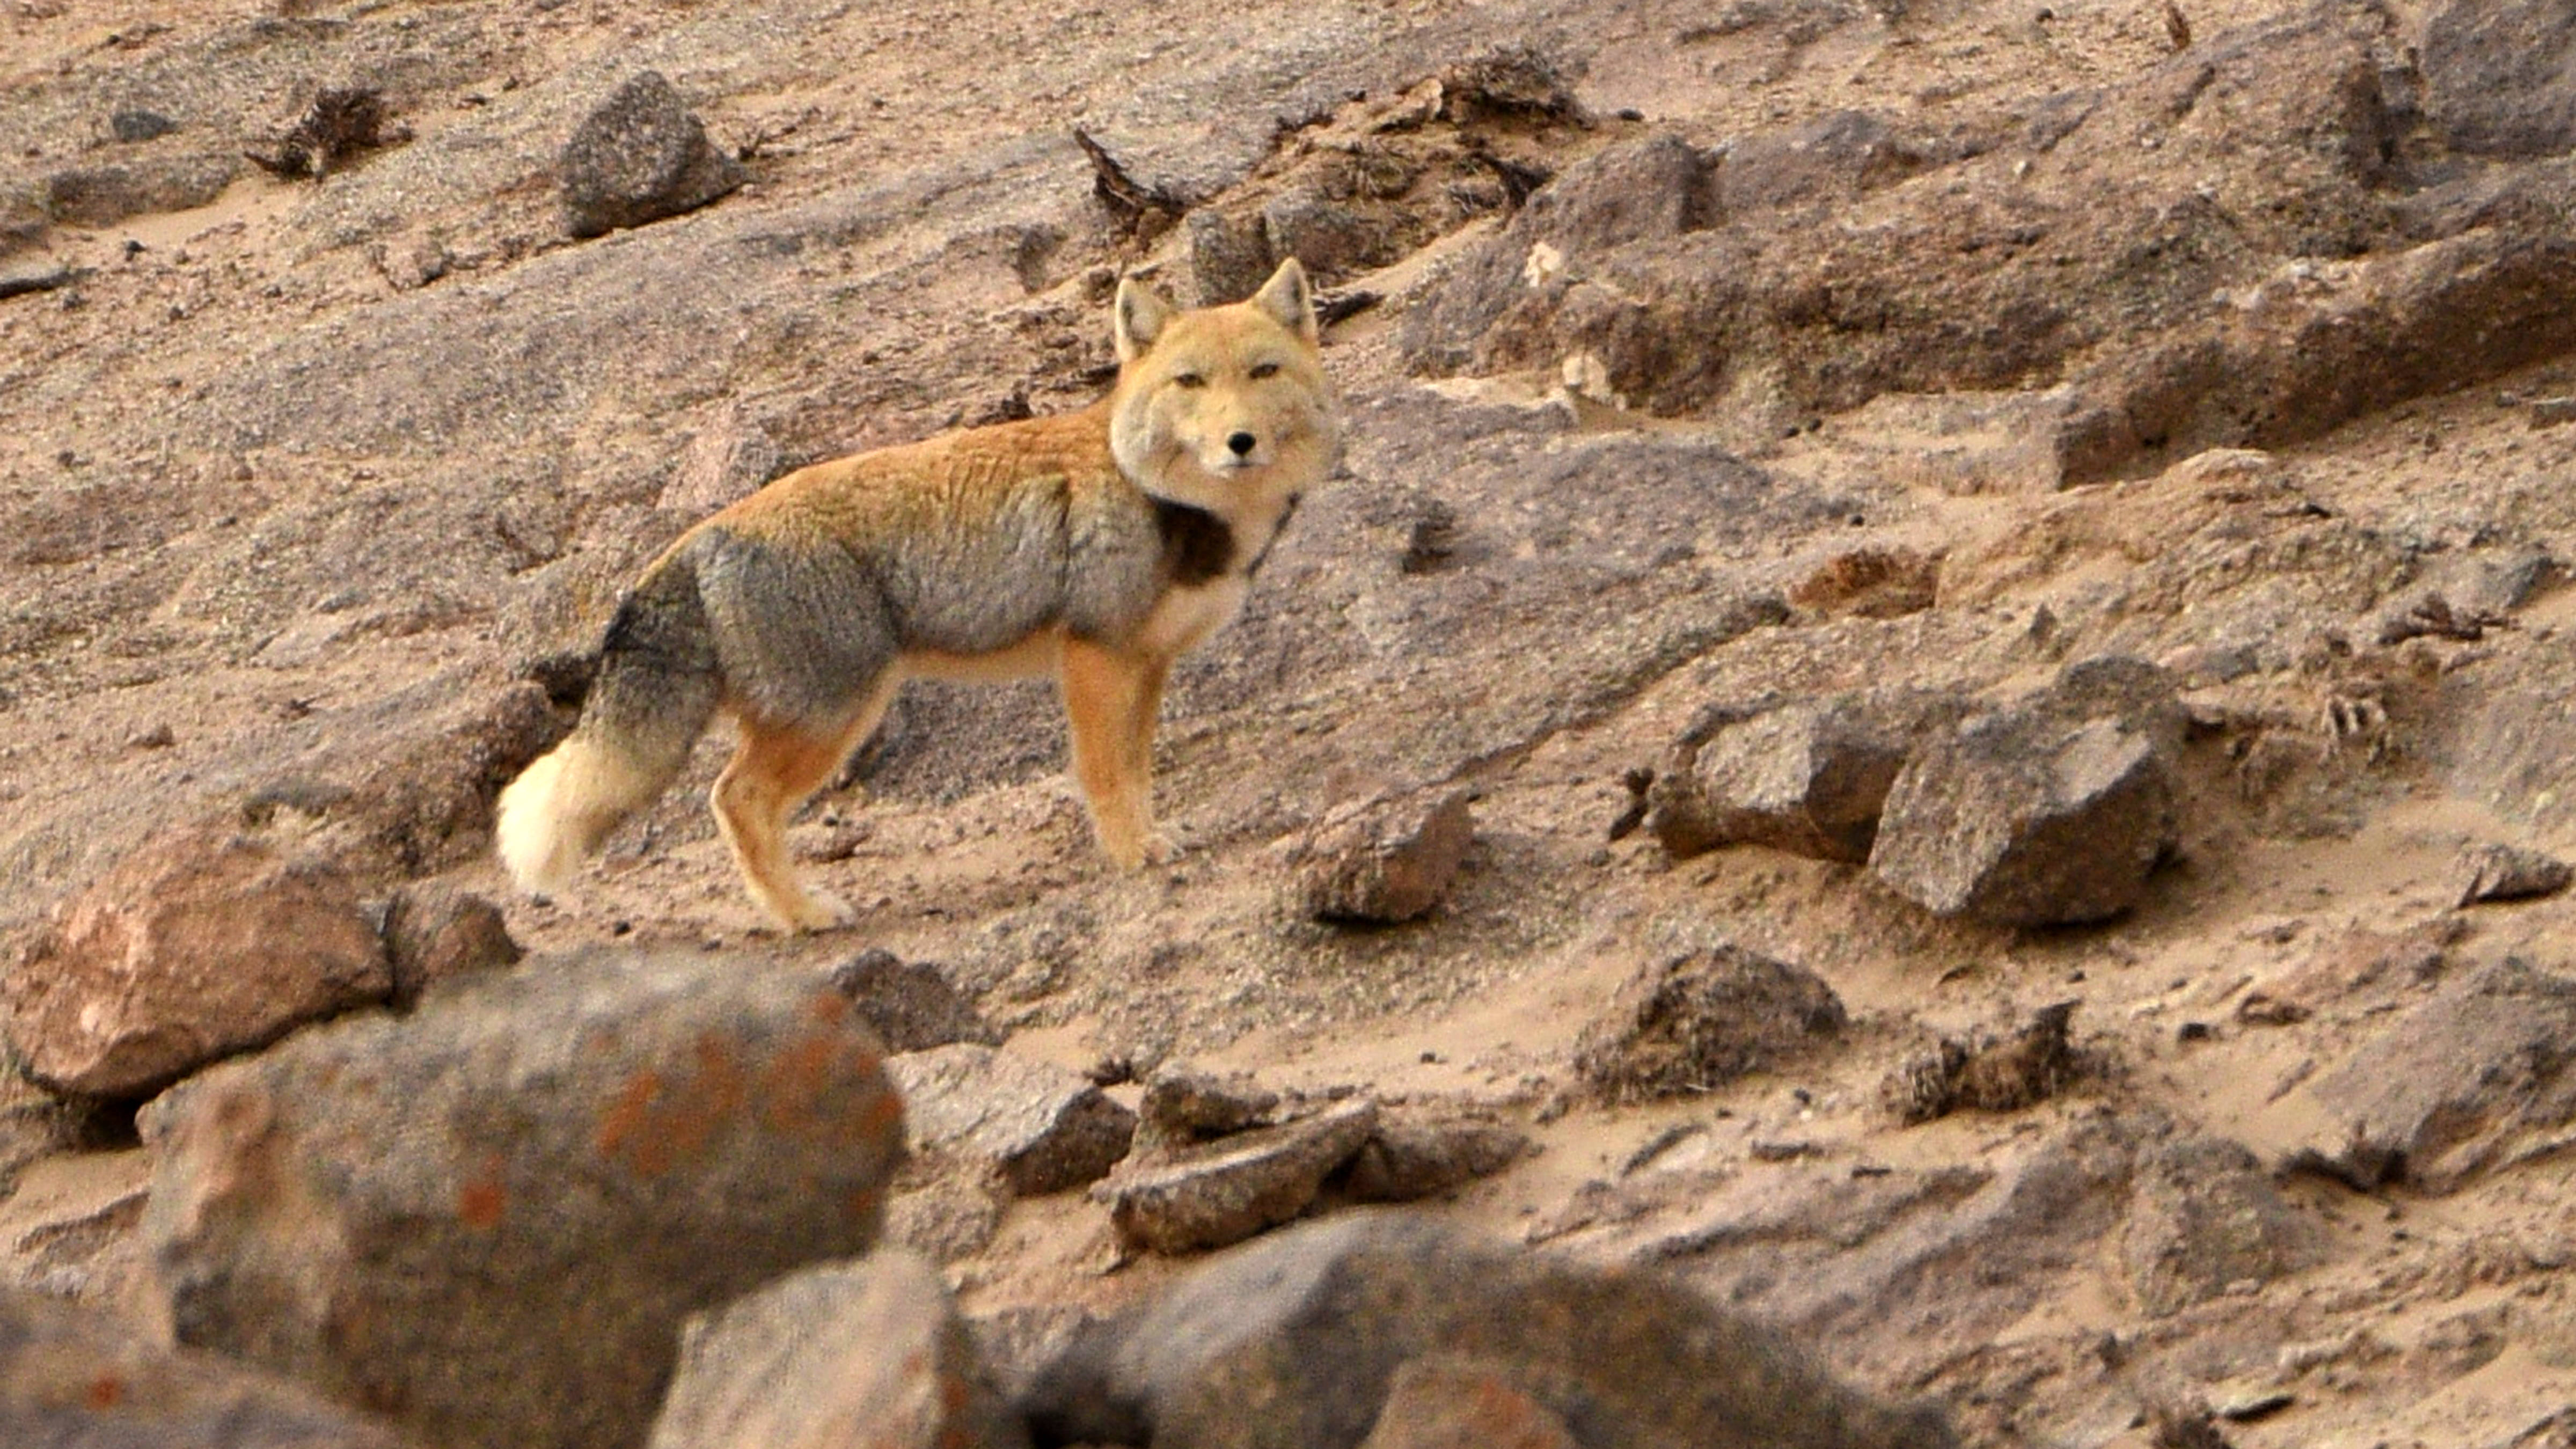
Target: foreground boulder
[
  {"x": 74, "y": 1378},
  {"x": 871, "y": 1352},
  {"x": 204, "y": 943},
  {"x": 490, "y": 1219},
  {"x": 1314, "y": 1326}
]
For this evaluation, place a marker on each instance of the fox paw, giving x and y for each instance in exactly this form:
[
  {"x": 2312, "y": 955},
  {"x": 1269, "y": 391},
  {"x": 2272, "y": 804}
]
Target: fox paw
[
  {"x": 1152, "y": 847},
  {"x": 816, "y": 911}
]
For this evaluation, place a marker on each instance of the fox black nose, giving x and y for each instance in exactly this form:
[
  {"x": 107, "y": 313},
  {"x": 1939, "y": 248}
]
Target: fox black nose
[{"x": 1242, "y": 444}]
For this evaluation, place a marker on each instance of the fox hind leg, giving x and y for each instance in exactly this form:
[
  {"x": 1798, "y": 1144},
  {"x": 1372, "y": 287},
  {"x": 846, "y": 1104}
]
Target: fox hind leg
[
  {"x": 775, "y": 769},
  {"x": 1112, "y": 699}
]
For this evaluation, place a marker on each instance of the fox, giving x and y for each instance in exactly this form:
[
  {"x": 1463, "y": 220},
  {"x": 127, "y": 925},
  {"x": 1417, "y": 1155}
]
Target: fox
[{"x": 1097, "y": 545}]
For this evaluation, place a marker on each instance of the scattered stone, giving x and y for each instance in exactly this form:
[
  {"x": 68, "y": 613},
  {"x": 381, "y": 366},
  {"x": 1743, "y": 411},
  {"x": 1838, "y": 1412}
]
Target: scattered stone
[
  {"x": 1331, "y": 239},
  {"x": 2017, "y": 819},
  {"x": 1224, "y": 1191},
  {"x": 1384, "y": 862},
  {"x": 1314, "y": 1325},
  {"x": 944, "y": 1219},
  {"x": 1697, "y": 1020},
  {"x": 22, "y": 281},
  {"x": 341, "y": 124},
  {"x": 910, "y": 1004},
  {"x": 1038, "y": 1127},
  {"x": 639, "y": 157},
  {"x": 425, "y": 804},
  {"x": 871, "y": 1352},
  {"x": 1990, "y": 1072},
  {"x": 2452, "y": 1089},
  {"x": 1183, "y": 1105},
  {"x": 2208, "y": 1220},
  {"x": 1810, "y": 777},
  {"x": 134, "y": 125},
  {"x": 2551, "y": 412},
  {"x": 1449, "y": 1401},
  {"x": 1229, "y": 255},
  {"x": 574, "y": 1138},
  {"x": 436, "y": 933},
  {"x": 2499, "y": 872},
  {"x": 1415, "y": 1153},
  {"x": 76, "y": 1378},
  {"x": 102, "y": 196},
  {"x": 200, "y": 944}
]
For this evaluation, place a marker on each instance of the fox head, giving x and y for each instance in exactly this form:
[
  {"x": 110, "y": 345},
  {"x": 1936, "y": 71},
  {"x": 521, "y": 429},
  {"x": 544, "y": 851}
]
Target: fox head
[{"x": 1222, "y": 407}]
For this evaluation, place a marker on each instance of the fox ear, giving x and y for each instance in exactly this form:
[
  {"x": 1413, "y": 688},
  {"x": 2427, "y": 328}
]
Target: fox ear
[
  {"x": 1287, "y": 298},
  {"x": 1139, "y": 317}
]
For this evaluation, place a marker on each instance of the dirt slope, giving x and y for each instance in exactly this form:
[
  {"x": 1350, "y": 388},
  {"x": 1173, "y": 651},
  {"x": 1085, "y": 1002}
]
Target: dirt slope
[{"x": 303, "y": 482}]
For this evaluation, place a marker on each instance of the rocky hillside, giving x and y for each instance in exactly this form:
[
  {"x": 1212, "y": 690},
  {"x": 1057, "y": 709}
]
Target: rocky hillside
[{"x": 1921, "y": 745}]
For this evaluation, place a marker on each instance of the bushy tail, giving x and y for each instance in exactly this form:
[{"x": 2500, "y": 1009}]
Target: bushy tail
[{"x": 657, "y": 686}]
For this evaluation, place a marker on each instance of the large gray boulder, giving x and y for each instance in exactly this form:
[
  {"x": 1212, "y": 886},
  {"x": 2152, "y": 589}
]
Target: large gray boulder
[
  {"x": 490, "y": 1219},
  {"x": 1314, "y": 1325}
]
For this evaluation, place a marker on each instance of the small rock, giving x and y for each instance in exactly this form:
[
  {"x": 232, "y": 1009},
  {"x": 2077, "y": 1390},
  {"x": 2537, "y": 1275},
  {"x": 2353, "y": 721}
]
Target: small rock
[
  {"x": 76, "y": 1378},
  {"x": 436, "y": 933},
  {"x": 1314, "y": 1325},
  {"x": 1991, "y": 1072},
  {"x": 1417, "y": 1154},
  {"x": 944, "y": 1219},
  {"x": 1810, "y": 778},
  {"x": 910, "y": 1003},
  {"x": 493, "y": 1215},
  {"x": 1038, "y": 1127},
  {"x": 871, "y": 1352},
  {"x": 1383, "y": 862},
  {"x": 1700, "y": 1019},
  {"x": 639, "y": 157},
  {"x": 1229, "y": 1189},
  {"x": 102, "y": 196},
  {"x": 134, "y": 124},
  {"x": 1448, "y": 1401},
  {"x": 1333, "y": 241},
  {"x": 1183, "y": 1105},
  {"x": 200, "y": 944},
  {"x": 1229, "y": 256},
  {"x": 2016, "y": 819},
  {"x": 2208, "y": 1218},
  {"x": 2498, "y": 872}
]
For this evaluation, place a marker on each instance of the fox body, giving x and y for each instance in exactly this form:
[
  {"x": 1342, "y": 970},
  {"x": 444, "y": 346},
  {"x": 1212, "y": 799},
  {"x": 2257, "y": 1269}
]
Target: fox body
[{"x": 1097, "y": 545}]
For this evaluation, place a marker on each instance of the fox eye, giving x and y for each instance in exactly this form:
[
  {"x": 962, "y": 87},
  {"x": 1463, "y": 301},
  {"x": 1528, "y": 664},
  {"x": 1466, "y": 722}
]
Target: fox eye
[
  {"x": 1188, "y": 379},
  {"x": 1261, "y": 370}
]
